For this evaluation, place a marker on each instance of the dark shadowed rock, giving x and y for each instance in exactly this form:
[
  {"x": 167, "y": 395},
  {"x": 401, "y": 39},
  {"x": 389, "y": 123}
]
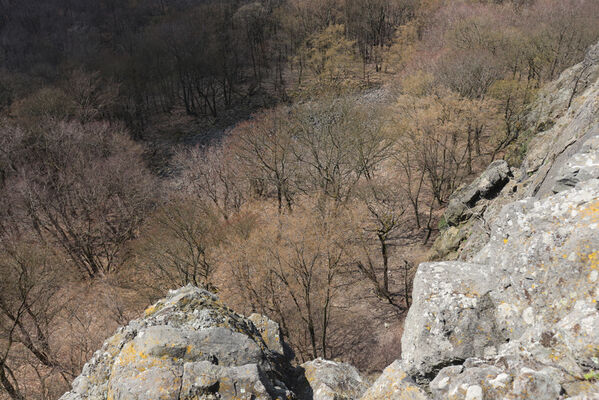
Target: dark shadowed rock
[
  {"x": 486, "y": 187},
  {"x": 466, "y": 205}
]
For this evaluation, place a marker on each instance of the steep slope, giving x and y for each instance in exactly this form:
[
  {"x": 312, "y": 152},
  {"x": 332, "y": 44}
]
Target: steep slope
[{"x": 560, "y": 154}]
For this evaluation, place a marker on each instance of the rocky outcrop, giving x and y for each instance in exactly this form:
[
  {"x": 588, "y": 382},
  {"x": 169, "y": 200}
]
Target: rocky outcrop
[
  {"x": 518, "y": 316},
  {"x": 271, "y": 334},
  {"x": 569, "y": 106},
  {"x": 528, "y": 300},
  {"x": 188, "y": 346},
  {"x": 561, "y": 153},
  {"x": 582, "y": 166},
  {"x": 466, "y": 205}
]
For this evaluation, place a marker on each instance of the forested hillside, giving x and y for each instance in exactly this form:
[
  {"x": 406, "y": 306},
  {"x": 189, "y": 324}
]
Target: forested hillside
[{"x": 294, "y": 156}]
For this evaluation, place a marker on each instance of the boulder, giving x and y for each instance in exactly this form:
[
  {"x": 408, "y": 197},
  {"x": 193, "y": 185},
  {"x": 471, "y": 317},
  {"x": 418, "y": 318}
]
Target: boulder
[
  {"x": 582, "y": 166},
  {"x": 394, "y": 384},
  {"x": 448, "y": 243},
  {"x": 451, "y": 317},
  {"x": 466, "y": 206},
  {"x": 330, "y": 380},
  {"x": 187, "y": 346},
  {"x": 478, "y": 379},
  {"x": 271, "y": 333}
]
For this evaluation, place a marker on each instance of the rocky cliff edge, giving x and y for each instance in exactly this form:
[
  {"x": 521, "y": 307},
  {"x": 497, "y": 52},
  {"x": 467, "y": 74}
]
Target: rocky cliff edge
[{"x": 518, "y": 315}]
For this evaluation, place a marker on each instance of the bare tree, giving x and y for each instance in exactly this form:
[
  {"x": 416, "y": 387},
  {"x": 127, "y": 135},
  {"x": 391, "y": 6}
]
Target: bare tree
[
  {"x": 214, "y": 176},
  {"x": 339, "y": 143},
  {"x": 265, "y": 147},
  {"x": 28, "y": 311},
  {"x": 384, "y": 209},
  {"x": 177, "y": 245},
  {"x": 291, "y": 267}
]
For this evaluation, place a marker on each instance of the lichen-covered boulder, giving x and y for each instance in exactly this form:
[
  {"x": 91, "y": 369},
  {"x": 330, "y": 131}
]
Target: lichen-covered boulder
[
  {"x": 451, "y": 317},
  {"x": 187, "y": 346},
  {"x": 394, "y": 384},
  {"x": 330, "y": 380}
]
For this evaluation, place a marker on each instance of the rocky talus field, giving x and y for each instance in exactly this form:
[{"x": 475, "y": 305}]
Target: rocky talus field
[{"x": 514, "y": 314}]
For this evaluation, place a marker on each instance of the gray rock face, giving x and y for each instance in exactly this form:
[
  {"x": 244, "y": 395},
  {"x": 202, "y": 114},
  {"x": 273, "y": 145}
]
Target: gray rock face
[
  {"x": 480, "y": 379},
  {"x": 582, "y": 166},
  {"x": 570, "y": 105},
  {"x": 452, "y": 318},
  {"x": 565, "y": 118},
  {"x": 187, "y": 346},
  {"x": 518, "y": 317},
  {"x": 533, "y": 289}
]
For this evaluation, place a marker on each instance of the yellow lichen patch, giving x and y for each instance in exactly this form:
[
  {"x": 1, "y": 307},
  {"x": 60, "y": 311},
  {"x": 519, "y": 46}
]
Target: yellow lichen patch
[
  {"x": 470, "y": 293},
  {"x": 150, "y": 310},
  {"x": 591, "y": 211},
  {"x": 130, "y": 354},
  {"x": 579, "y": 387},
  {"x": 113, "y": 344},
  {"x": 554, "y": 356},
  {"x": 593, "y": 260}
]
